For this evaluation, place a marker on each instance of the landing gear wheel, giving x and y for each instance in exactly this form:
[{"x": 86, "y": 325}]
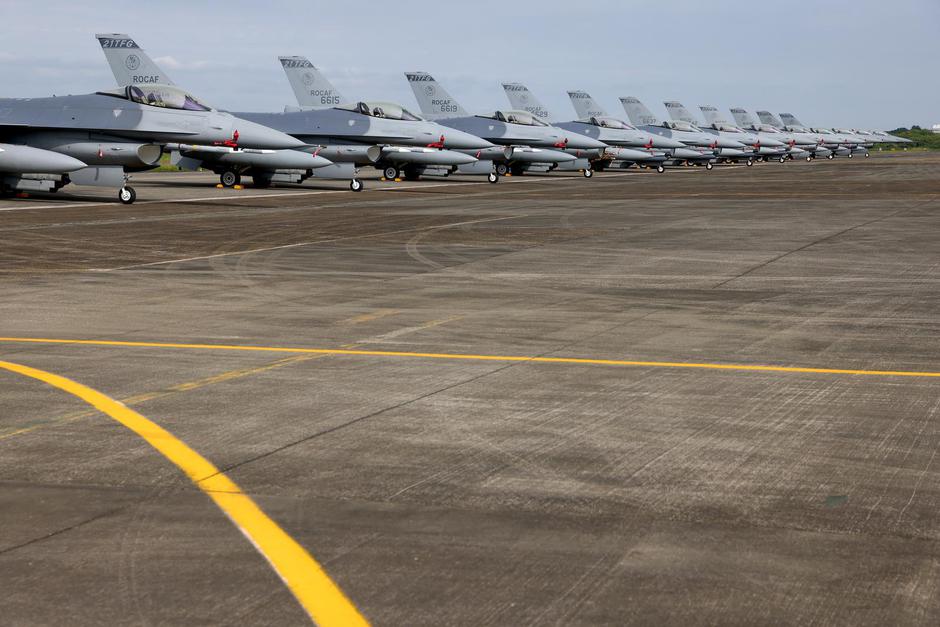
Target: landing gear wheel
[
  {"x": 851, "y": 155},
  {"x": 492, "y": 177},
  {"x": 127, "y": 195},
  {"x": 355, "y": 185},
  {"x": 230, "y": 178},
  {"x": 830, "y": 156},
  {"x": 867, "y": 155},
  {"x": 660, "y": 169},
  {"x": 708, "y": 165},
  {"x": 782, "y": 159},
  {"x": 391, "y": 173},
  {"x": 588, "y": 173},
  {"x": 502, "y": 169},
  {"x": 809, "y": 158},
  {"x": 749, "y": 162}
]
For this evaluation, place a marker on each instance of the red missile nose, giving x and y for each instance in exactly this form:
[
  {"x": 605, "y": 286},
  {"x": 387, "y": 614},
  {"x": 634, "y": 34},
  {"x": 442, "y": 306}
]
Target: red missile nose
[
  {"x": 438, "y": 144},
  {"x": 562, "y": 144},
  {"x": 235, "y": 136}
]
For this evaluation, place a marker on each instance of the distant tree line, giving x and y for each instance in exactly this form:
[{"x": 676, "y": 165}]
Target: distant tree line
[{"x": 923, "y": 136}]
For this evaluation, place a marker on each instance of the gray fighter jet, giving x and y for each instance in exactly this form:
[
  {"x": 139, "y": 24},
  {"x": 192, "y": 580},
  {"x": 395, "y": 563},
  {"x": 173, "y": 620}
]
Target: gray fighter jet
[
  {"x": 841, "y": 145},
  {"x": 707, "y": 143},
  {"x": 314, "y": 92},
  {"x": 98, "y": 139},
  {"x": 769, "y": 119},
  {"x": 536, "y": 146},
  {"x": 680, "y": 115},
  {"x": 626, "y": 145},
  {"x": 801, "y": 145},
  {"x": 765, "y": 147},
  {"x": 348, "y": 136}
]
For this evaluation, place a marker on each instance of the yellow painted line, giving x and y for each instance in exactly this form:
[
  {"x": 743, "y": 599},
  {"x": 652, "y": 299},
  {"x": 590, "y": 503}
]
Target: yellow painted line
[
  {"x": 462, "y": 356},
  {"x": 322, "y": 599}
]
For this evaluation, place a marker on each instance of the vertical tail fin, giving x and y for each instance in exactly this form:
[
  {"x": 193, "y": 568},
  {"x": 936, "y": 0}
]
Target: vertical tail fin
[
  {"x": 678, "y": 112},
  {"x": 521, "y": 98},
  {"x": 743, "y": 119},
  {"x": 712, "y": 115},
  {"x": 129, "y": 63},
  {"x": 767, "y": 117},
  {"x": 433, "y": 100},
  {"x": 637, "y": 112},
  {"x": 584, "y": 106},
  {"x": 312, "y": 89},
  {"x": 790, "y": 120}
]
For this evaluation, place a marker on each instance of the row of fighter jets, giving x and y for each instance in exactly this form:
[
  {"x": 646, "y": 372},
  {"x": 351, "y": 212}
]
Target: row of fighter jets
[{"x": 102, "y": 138}]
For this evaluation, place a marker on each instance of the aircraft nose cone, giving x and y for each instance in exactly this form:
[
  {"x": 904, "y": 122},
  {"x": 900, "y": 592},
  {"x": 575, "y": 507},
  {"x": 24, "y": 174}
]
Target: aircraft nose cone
[
  {"x": 581, "y": 142},
  {"x": 724, "y": 142},
  {"x": 771, "y": 143},
  {"x": 665, "y": 142},
  {"x": 460, "y": 140},
  {"x": 253, "y": 135}
]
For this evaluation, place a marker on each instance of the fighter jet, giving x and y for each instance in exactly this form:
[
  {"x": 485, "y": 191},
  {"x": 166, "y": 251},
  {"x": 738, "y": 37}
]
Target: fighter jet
[
  {"x": 626, "y": 145},
  {"x": 769, "y": 119},
  {"x": 98, "y": 139},
  {"x": 315, "y": 92},
  {"x": 801, "y": 145},
  {"x": 347, "y": 136},
  {"x": 679, "y": 114},
  {"x": 764, "y": 147},
  {"x": 841, "y": 145},
  {"x": 707, "y": 143},
  {"x": 536, "y": 146}
]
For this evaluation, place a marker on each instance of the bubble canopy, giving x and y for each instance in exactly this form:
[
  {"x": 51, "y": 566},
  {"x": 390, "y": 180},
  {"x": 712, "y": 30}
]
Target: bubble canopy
[
  {"x": 388, "y": 110},
  {"x": 516, "y": 117},
  {"x": 164, "y": 96}
]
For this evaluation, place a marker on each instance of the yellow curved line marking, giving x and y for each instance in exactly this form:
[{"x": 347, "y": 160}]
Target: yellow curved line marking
[
  {"x": 542, "y": 360},
  {"x": 323, "y": 601}
]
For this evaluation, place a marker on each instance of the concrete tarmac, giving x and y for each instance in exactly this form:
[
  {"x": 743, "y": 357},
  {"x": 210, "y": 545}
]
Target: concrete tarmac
[{"x": 468, "y": 491}]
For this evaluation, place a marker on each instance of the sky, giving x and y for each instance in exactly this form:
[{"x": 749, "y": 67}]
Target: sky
[{"x": 848, "y": 63}]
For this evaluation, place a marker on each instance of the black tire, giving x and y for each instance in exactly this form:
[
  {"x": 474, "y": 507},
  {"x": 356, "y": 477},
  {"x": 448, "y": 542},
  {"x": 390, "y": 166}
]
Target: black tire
[
  {"x": 502, "y": 169},
  {"x": 782, "y": 159},
  {"x": 391, "y": 173},
  {"x": 587, "y": 173},
  {"x": 708, "y": 165},
  {"x": 492, "y": 177},
  {"x": 851, "y": 155},
  {"x": 809, "y": 158},
  {"x": 356, "y": 185},
  {"x": 749, "y": 162},
  {"x": 127, "y": 195},
  {"x": 867, "y": 155},
  {"x": 830, "y": 156},
  {"x": 230, "y": 178},
  {"x": 660, "y": 168}
]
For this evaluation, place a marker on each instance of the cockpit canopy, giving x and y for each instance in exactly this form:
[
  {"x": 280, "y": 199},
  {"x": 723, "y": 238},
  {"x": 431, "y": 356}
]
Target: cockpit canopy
[
  {"x": 680, "y": 125},
  {"x": 606, "y": 122},
  {"x": 166, "y": 96},
  {"x": 516, "y": 117},
  {"x": 388, "y": 110}
]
